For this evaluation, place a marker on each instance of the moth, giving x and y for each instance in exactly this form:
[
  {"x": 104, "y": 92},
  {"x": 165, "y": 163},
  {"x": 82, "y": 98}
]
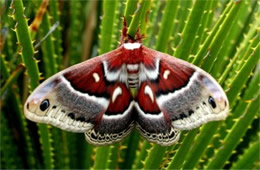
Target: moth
[{"x": 95, "y": 97}]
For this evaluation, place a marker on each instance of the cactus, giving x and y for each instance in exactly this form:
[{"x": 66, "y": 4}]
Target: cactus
[{"x": 221, "y": 37}]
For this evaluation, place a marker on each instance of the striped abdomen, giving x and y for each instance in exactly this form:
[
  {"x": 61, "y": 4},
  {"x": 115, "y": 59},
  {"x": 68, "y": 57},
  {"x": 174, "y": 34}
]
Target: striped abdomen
[{"x": 132, "y": 75}]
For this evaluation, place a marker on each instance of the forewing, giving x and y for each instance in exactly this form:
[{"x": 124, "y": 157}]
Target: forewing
[
  {"x": 195, "y": 97},
  {"x": 82, "y": 98}
]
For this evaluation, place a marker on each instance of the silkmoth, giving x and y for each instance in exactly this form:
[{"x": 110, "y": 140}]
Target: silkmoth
[{"x": 94, "y": 97}]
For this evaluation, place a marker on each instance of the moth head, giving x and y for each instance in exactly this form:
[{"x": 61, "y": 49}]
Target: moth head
[{"x": 40, "y": 100}]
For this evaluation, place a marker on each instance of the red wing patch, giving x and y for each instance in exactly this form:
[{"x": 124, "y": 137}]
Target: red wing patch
[
  {"x": 174, "y": 74},
  {"x": 90, "y": 79},
  {"x": 172, "y": 77},
  {"x": 146, "y": 98},
  {"x": 119, "y": 100}
]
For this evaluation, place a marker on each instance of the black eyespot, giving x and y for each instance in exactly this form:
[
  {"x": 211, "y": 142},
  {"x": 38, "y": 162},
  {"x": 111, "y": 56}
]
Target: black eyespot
[
  {"x": 44, "y": 105},
  {"x": 71, "y": 115},
  {"x": 212, "y": 102},
  {"x": 54, "y": 107}
]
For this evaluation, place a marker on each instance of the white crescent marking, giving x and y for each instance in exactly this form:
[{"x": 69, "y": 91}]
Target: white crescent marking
[
  {"x": 148, "y": 91},
  {"x": 96, "y": 77},
  {"x": 117, "y": 92},
  {"x": 166, "y": 74}
]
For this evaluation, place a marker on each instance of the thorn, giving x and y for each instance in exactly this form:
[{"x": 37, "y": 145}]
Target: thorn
[
  {"x": 13, "y": 29},
  {"x": 228, "y": 130},
  {"x": 132, "y": 16},
  {"x": 216, "y": 135},
  {"x": 12, "y": 16},
  {"x": 211, "y": 145},
  {"x": 235, "y": 119}
]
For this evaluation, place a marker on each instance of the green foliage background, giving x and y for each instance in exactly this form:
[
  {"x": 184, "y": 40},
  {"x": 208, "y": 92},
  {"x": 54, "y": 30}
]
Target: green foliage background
[{"x": 222, "y": 37}]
